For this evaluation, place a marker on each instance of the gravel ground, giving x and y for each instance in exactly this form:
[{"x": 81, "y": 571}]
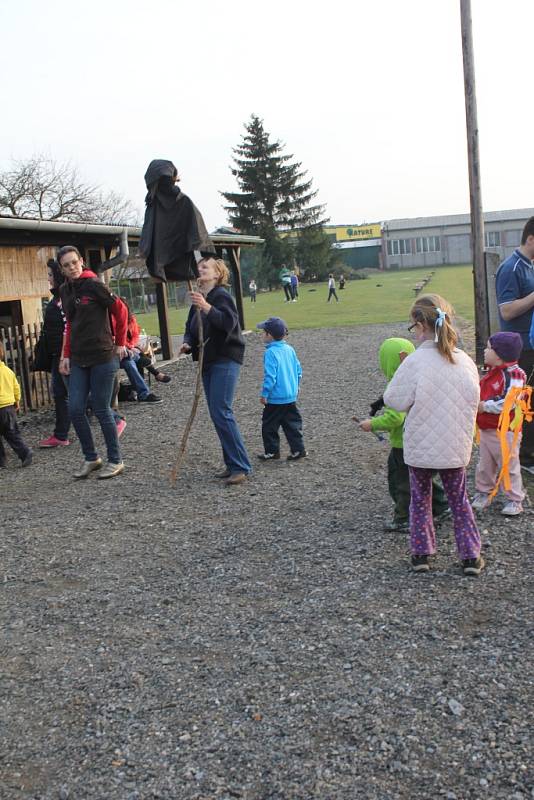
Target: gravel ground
[{"x": 261, "y": 641}]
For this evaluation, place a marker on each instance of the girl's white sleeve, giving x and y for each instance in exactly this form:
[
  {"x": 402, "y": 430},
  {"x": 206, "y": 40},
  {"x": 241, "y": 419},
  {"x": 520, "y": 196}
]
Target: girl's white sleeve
[{"x": 400, "y": 391}]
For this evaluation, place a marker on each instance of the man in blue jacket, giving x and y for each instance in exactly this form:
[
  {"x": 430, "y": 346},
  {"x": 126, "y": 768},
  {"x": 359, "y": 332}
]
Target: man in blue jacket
[
  {"x": 514, "y": 285},
  {"x": 281, "y": 380}
]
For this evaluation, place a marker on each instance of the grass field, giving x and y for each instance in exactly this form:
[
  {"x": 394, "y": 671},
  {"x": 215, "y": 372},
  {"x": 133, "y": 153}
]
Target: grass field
[{"x": 383, "y": 297}]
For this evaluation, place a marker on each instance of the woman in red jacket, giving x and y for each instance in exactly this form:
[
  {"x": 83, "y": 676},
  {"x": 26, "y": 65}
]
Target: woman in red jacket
[{"x": 91, "y": 355}]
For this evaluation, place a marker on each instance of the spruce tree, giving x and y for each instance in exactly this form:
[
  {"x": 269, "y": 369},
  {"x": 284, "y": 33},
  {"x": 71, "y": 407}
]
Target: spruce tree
[{"x": 274, "y": 195}]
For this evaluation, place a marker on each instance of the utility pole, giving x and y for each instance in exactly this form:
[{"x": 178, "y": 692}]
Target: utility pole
[{"x": 475, "y": 195}]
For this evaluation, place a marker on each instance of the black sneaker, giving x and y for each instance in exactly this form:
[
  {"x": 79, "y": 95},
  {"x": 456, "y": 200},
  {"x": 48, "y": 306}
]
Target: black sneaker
[
  {"x": 420, "y": 563},
  {"x": 473, "y": 566},
  {"x": 268, "y": 456},
  {"x": 397, "y": 525},
  {"x": 150, "y": 398},
  {"x": 28, "y": 458},
  {"x": 442, "y": 516},
  {"x": 296, "y": 456}
]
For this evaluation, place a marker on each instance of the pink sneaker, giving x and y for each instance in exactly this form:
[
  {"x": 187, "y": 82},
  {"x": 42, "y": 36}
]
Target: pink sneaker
[
  {"x": 121, "y": 424},
  {"x": 53, "y": 442}
]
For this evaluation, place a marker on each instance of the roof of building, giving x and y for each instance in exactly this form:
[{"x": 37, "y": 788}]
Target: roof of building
[
  {"x": 515, "y": 215},
  {"x": 40, "y": 226}
]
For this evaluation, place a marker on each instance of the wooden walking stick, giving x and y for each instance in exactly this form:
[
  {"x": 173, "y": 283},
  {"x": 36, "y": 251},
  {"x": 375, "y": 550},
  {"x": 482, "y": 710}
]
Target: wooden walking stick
[{"x": 198, "y": 390}]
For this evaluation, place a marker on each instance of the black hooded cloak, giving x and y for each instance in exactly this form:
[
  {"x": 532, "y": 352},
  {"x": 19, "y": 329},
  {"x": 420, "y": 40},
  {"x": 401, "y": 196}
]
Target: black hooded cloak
[{"x": 173, "y": 228}]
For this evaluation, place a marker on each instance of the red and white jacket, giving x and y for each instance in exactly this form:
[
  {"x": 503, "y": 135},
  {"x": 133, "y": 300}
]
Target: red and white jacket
[{"x": 493, "y": 390}]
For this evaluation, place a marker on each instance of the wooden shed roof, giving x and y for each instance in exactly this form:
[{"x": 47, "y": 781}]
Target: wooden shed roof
[{"x": 22, "y": 230}]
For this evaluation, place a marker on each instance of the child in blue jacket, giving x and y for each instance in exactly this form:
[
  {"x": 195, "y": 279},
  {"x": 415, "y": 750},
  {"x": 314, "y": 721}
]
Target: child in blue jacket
[{"x": 281, "y": 380}]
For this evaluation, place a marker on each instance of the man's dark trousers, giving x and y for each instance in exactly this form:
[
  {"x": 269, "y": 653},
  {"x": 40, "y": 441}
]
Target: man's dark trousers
[
  {"x": 526, "y": 451},
  {"x": 288, "y": 416}
]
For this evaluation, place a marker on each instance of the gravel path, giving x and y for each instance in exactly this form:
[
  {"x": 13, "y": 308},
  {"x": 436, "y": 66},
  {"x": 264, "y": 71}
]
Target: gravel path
[{"x": 265, "y": 641}]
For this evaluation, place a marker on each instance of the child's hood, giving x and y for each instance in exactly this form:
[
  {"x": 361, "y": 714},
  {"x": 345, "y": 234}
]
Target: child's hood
[{"x": 389, "y": 355}]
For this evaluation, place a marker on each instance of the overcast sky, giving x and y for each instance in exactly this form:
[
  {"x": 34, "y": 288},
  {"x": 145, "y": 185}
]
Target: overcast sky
[{"x": 367, "y": 95}]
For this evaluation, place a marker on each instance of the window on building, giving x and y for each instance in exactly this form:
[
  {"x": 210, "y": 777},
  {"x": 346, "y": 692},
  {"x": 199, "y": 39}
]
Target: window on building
[
  {"x": 493, "y": 238},
  {"x": 427, "y": 244},
  {"x": 399, "y": 247}
]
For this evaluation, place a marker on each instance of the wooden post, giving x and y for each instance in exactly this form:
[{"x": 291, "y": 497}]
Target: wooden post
[
  {"x": 475, "y": 195},
  {"x": 233, "y": 257},
  {"x": 163, "y": 317}
]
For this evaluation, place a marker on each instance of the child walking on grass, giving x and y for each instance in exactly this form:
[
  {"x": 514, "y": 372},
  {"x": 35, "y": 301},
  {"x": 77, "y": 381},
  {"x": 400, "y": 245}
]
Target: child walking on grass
[
  {"x": 438, "y": 388},
  {"x": 501, "y": 355},
  {"x": 281, "y": 381},
  {"x": 9, "y": 405},
  {"x": 392, "y": 423}
]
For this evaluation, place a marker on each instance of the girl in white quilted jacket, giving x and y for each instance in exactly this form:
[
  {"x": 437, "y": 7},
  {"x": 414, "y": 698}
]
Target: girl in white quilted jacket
[{"x": 438, "y": 386}]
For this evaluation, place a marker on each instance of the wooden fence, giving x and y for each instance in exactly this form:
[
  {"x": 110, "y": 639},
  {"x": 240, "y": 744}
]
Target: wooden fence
[{"x": 19, "y": 346}]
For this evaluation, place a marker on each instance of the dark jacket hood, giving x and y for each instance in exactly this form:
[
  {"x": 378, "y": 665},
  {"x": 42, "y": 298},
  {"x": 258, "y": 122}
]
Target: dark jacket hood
[{"x": 159, "y": 168}]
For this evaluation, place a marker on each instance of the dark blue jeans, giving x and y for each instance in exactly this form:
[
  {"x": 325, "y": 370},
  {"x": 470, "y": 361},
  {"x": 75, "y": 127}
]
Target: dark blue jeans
[
  {"x": 135, "y": 377},
  {"x": 288, "y": 417},
  {"x": 220, "y": 380},
  {"x": 96, "y": 381},
  {"x": 60, "y": 393}
]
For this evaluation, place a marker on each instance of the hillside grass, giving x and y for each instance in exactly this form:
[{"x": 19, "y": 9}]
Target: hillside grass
[{"x": 383, "y": 297}]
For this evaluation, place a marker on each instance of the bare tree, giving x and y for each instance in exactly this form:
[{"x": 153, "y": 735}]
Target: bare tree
[{"x": 43, "y": 188}]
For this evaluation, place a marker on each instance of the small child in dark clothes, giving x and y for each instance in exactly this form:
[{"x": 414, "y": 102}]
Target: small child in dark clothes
[
  {"x": 281, "y": 381},
  {"x": 392, "y": 422},
  {"x": 9, "y": 405}
]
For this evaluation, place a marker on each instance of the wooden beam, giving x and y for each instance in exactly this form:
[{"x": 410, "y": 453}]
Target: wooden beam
[
  {"x": 475, "y": 193},
  {"x": 233, "y": 253},
  {"x": 163, "y": 317}
]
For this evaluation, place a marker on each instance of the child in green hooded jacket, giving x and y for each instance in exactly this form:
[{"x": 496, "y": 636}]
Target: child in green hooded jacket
[{"x": 392, "y": 422}]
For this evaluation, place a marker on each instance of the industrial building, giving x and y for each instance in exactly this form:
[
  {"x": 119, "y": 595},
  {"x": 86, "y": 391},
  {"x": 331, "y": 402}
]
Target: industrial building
[{"x": 437, "y": 241}]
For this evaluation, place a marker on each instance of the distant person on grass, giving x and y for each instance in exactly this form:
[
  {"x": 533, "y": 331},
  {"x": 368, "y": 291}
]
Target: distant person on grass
[
  {"x": 332, "y": 289},
  {"x": 514, "y": 285},
  {"x": 294, "y": 286},
  {"x": 9, "y": 406},
  {"x": 282, "y": 374},
  {"x": 252, "y": 289},
  {"x": 285, "y": 278},
  {"x": 341, "y": 282},
  {"x": 391, "y": 353},
  {"x": 438, "y": 388}
]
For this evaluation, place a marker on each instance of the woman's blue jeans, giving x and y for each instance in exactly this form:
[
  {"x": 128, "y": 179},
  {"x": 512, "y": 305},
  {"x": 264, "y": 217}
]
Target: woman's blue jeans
[
  {"x": 96, "y": 381},
  {"x": 220, "y": 380}
]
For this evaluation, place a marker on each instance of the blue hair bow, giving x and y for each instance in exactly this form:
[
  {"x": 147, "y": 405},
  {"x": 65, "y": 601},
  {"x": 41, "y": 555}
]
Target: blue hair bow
[{"x": 439, "y": 322}]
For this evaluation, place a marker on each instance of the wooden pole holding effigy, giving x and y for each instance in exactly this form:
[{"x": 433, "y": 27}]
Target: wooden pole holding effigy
[{"x": 198, "y": 391}]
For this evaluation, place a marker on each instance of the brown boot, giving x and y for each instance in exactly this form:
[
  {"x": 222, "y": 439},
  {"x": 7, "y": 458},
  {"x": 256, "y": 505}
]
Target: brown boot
[{"x": 235, "y": 478}]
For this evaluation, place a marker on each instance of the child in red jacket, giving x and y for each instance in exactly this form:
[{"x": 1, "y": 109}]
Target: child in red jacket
[{"x": 501, "y": 355}]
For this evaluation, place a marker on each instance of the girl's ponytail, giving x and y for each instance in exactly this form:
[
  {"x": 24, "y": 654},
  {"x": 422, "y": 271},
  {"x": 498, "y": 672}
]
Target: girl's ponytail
[{"x": 435, "y": 313}]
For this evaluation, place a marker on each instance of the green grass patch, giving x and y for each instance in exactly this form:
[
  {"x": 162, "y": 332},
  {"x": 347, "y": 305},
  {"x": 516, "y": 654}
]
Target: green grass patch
[{"x": 383, "y": 297}]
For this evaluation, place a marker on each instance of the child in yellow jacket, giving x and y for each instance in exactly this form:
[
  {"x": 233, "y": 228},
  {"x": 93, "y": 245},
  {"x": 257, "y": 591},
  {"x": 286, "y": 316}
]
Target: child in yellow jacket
[{"x": 9, "y": 405}]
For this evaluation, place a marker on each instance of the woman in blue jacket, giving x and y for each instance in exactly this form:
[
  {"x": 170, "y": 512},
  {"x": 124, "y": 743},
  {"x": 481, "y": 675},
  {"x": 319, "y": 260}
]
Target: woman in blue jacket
[{"x": 224, "y": 347}]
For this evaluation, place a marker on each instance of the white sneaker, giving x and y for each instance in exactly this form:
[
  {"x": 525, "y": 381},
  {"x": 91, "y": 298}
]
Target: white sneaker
[
  {"x": 480, "y": 501},
  {"x": 110, "y": 470},
  {"x": 87, "y": 467},
  {"x": 512, "y": 508}
]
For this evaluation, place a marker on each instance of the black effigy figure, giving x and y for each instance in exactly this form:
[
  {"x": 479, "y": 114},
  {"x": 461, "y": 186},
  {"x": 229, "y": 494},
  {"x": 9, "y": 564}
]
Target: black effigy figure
[{"x": 174, "y": 237}]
